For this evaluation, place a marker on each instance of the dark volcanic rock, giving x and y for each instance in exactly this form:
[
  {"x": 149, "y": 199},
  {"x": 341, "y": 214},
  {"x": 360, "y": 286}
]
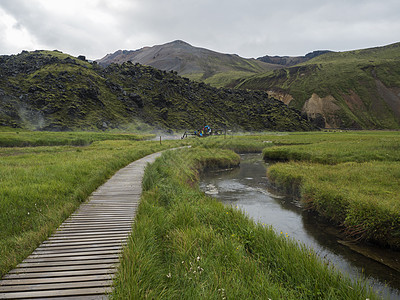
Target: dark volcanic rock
[{"x": 67, "y": 93}]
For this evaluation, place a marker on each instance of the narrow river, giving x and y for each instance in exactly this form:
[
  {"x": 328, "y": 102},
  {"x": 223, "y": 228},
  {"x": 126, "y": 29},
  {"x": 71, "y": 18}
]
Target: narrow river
[{"x": 247, "y": 188}]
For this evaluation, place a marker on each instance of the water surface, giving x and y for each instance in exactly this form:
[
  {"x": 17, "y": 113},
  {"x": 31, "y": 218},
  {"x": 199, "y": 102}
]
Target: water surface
[{"x": 247, "y": 188}]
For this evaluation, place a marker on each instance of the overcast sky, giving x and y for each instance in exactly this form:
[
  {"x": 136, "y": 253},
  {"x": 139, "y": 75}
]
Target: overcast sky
[{"x": 250, "y": 28}]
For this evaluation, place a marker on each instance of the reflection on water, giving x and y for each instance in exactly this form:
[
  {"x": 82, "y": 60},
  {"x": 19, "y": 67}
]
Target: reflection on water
[{"x": 246, "y": 187}]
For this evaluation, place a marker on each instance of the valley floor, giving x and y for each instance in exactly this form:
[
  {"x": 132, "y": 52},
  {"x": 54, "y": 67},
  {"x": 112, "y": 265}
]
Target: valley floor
[{"x": 185, "y": 244}]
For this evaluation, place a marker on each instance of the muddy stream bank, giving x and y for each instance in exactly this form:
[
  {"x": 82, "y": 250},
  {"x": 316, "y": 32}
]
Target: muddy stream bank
[{"x": 247, "y": 188}]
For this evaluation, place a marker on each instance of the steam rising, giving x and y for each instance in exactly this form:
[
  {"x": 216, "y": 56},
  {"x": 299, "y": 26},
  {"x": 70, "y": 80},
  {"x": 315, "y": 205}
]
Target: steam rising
[{"x": 30, "y": 118}]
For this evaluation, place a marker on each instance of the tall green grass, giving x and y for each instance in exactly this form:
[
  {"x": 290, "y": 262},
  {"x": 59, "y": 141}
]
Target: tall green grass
[
  {"x": 352, "y": 179},
  {"x": 41, "y": 186},
  {"x": 363, "y": 197},
  {"x": 237, "y": 143},
  {"x": 17, "y": 138},
  {"x": 186, "y": 245},
  {"x": 337, "y": 148}
]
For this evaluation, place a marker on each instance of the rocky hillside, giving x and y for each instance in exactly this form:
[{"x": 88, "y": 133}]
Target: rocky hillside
[
  {"x": 354, "y": 89},
  {"x": 192, "y": 62},
  {"x": 46, "y": 90}
]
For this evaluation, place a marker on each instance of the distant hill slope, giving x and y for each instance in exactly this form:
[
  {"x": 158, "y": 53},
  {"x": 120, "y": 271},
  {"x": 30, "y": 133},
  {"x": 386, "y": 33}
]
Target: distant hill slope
[
  {"x": 192, "y": 62},
  {"x": 47, "y": 90},
  {"x": 354, "y": 89},
  {"x": 288, "y": 61}
]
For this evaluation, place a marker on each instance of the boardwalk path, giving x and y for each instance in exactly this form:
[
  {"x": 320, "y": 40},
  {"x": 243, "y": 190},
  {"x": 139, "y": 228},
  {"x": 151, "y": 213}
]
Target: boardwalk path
[{"x": 80, "y": 259}]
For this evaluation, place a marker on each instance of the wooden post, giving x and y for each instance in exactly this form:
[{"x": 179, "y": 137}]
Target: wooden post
[{"x": 160, "y": 139}]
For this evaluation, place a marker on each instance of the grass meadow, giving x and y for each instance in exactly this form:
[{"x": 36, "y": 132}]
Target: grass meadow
[
  {"x": 351, "y": 178},
  {"x": 17, "y": 138},
  {"x": 186, "y": 245}
]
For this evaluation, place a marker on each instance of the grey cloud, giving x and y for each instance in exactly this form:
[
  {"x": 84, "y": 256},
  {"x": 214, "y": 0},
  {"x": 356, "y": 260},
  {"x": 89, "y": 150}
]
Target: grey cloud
[{"x": 250, "y": 28}]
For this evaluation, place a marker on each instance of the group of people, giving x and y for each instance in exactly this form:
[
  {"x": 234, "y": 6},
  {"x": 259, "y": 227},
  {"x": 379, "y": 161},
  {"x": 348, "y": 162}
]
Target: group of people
[{"x": 205, "y": 131}]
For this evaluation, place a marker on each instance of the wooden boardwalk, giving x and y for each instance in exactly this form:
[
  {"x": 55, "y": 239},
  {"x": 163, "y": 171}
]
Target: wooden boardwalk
[{"x": 80, "y": 259}]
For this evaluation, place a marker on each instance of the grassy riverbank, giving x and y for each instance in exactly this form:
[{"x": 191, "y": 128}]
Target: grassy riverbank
[
  {"x": 186, "y": 245},
  {"x": 351, "y": 178},
  {"x": 41, "y": 186}
]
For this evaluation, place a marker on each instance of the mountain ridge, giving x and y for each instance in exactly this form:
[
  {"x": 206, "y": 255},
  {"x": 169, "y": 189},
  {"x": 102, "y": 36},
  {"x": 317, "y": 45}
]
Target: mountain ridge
[
  {"x": 201, "y": 64},
  {"x": 50, "y": 90},
  {"x": 189, "y": 61},
  {"x": 353, "y": 89}
]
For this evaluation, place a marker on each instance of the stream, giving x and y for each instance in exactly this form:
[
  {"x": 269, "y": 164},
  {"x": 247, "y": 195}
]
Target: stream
[{"x": 247, "y": 188}]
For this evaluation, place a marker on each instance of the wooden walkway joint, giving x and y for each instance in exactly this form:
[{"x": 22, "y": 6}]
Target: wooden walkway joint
[{"x": 80, "y": 259}]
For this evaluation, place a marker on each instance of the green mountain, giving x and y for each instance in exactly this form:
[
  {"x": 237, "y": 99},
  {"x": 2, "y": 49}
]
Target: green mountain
[
  {"x": 354, "y": 89},
  {"x": 192, "y": 62},
  {"x": 47, "y": 90}
]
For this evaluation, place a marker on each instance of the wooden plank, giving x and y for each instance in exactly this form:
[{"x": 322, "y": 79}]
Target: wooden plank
[
  {"x": 111, "y": 210},
  {"x": 57, "y": 274},
  {"x": 79, "y": 246},
  {"x": 89, "y": 236},
  {"x": 95, "y": 225},
  {"x": 92, "y": 220},
  {"x": 76, "y": 263},
  {"x": 53, "y": 286},
  {"x": 82, "y": 229},
  {"x": 116, "y": 193},
  {"x": 111, "y": 201},
  {"x": 99, "y": 232},
  {"x": 66, "y": 235},
  {"x": 97, "y": 220},
  {"x": 73, "y": 250},
  {"x": 108, "y": 219},
  {"x": 57, "y": 293},
  {"x": 91, "y": 297},
  {"x": 63, "y": 268},
  {"x": 78, "y": 228},
  {"x": 104, "y": 200},
  {"x": 54, "y": 240},
  {"x": 82, "y": 238},
  {"x": 101, "y": 198},
  {"x": 71, "y": 258},
  {"x": 108, "y": 212},
  {"x": 76, "y": 218},
  {"x": 91, "y": 224},
  {"x": 128, "y": 203},
  {"x": 71, "y": 254},
  {"x": 95, "y": 214},
  {"x": 86, "y": 241},
  {"x": 60, "y": 279},
  {"x": 109, "y": 206},
  {"x": 125, "y": 213},
  {"x": 62, "y": 243}
]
